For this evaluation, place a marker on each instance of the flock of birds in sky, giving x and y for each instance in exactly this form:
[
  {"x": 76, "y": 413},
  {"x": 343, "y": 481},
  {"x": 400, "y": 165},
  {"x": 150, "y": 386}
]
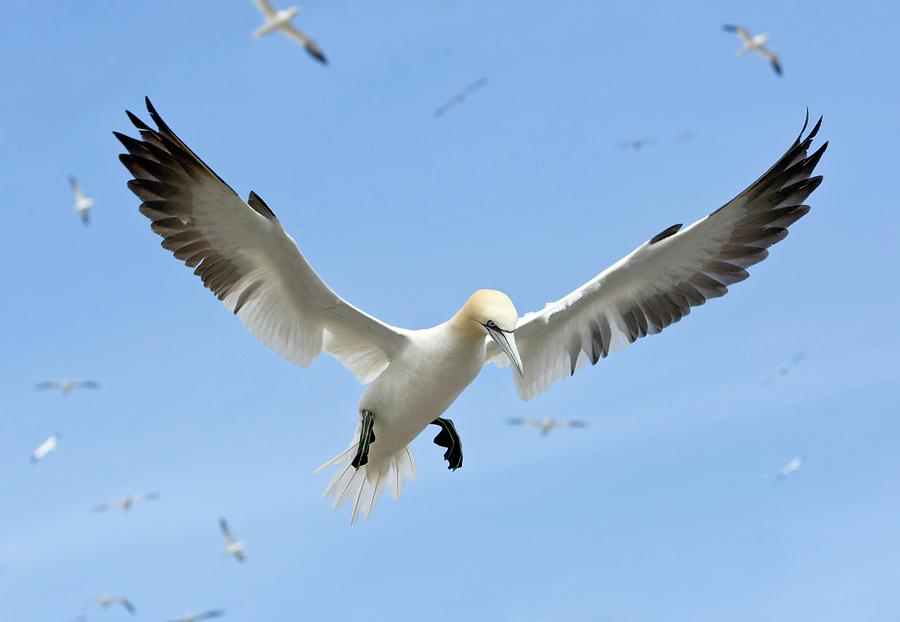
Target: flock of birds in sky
[{"x": 243, "y": 255}]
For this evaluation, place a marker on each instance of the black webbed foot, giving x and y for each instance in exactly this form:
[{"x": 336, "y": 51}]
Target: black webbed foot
[
  {"x": 366, "y": 438},
  {"x": 448, "y": 438}
]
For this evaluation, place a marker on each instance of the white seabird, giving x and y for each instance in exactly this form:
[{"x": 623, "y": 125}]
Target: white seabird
[
  {"x": 460, "y": 97},
  {"x": 790, "y": 468},
  {"x": 235, "y": 548},
  {"x": 83, "y": 204},
  {"x": 66, "y": 385},
  {"x": 126, "y": 503},
  {"x": 281, "y": 20},
  {"x": 196, "y": 617},
  {"x": 108, "y": 600},
  {"x": 47, "y": 447},
  {"x": 245, "y": 257},
  {"x": 755, "y": 43},
  {"x": 547, "y": 424},
  {"x": 784, "y": 368}
]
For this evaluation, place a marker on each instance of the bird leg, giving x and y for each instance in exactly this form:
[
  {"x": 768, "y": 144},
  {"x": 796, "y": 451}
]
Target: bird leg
[
  {"x": 366, "y": 438},
  {"x": 449, "y": 438}
]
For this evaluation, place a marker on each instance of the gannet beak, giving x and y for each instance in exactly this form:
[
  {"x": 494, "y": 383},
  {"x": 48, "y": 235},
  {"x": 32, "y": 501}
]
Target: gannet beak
[{"x": 507, "y": 343}]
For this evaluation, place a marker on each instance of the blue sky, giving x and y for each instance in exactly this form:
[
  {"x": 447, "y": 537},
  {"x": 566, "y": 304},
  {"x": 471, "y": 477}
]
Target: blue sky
[{"x": 658, "y": 511}]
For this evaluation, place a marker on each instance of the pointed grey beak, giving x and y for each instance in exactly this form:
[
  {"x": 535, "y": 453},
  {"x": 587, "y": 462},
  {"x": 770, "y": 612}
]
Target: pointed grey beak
[{"x": 507, "y": 343}]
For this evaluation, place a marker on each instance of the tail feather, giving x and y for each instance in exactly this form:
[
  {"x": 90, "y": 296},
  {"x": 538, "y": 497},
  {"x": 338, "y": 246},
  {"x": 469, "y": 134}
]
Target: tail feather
[{"x": 365, "y": 485}]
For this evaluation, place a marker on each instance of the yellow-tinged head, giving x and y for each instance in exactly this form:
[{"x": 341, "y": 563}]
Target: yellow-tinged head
[{"x": 492, "y": 312}]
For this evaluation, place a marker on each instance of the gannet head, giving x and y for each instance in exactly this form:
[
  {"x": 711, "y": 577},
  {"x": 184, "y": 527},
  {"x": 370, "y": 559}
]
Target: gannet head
[{"x": 495, "y": 315}]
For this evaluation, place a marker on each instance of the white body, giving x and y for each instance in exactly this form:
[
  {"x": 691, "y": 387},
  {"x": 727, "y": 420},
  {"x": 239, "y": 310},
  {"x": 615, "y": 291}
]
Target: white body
[
  {"x": 47, "y": 447},
  {"x": 275, "y": 21}
]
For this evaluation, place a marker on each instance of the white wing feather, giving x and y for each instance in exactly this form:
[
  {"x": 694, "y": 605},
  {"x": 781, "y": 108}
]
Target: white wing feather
[
  {"x": 246, "y": 258},
  {"x": 659, "y": 282}
]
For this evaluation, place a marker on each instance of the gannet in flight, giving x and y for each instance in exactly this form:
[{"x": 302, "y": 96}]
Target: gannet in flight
[
  {"x": 196, "y": 617},
  {"x": 790, "y": 468},
  {"x": 245, "y": 257},
  {"x": 83, "y": 204},
  {"x": 47, "y": 447},
  {"x": 108, "y": 600},
  {"x": 126, "y": 503},
  {"x": 547, "y": 424},
  {"x": 235, "y": 548},
  {"x": 281, "y": 20},
  {"x": 460, "y": 97},
  {"x": 66, "y": 386},
  {"x": 755, "y": 43}
]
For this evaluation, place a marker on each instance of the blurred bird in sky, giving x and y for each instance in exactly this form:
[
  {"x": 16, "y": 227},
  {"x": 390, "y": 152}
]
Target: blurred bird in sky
[
  {"x": 47, "y": 447},
  {"x": 685, "y": 138},
  {"x": 755, "y": 43},
  {"x": 196, "y": 617},
  {"x": 460, "y": 97},
  {"x": 786, "y": 367},
  {"x": 108, "y": 600},
  {"x": 790, "y": 468},
  {"x": 635, "y": 144},
  {"x": 234, "y": 548},
  {"x": 83, "y": 204},
  {"x": 244, "y": 256},
  {"x": 126, "y": 503},
  {"x": 66, "y": 386},
  {"x": 281, "y": 20},
  {"x": 547, "y": 424}
]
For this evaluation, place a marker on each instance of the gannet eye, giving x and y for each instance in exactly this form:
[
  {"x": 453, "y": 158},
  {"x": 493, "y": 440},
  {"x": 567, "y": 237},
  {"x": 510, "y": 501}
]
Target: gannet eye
[{"x": 490, "y": 324}]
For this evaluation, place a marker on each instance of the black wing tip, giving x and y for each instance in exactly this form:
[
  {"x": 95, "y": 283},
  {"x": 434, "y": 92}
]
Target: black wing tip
[
  {"x": 136, "y": 121},
  {"x": 729, "y": 27}
]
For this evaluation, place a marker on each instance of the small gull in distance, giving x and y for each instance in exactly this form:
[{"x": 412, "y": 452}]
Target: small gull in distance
[
  {"x": 790, "y": 468},
  {"x": 196, "y": 617},
  {"x": 635, "y": 144},
  {"x": 460, "y": 97},
  {"x": 126, "y": 503},
  {"x": 755, "y": 43},
  {"x": 281, "y": 20},
  {"x": 547, "y": 424},
  {"x": 47, "y": 447},
  {"x": 243, "y": 255},
  {"x": 66, "y": 385},
  {"x": 786, "y": 367},
  {"x": 83, "y": 204},
  {"x": 108, "y": 600},
  {"x": 235, "y": 548}
]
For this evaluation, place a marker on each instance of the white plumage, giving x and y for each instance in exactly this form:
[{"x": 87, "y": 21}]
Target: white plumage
[{"x": 244, "y": 256}]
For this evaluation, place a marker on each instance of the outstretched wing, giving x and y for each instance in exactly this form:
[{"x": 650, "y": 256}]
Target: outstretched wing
[
  {"x": 265, "y": 7},
  {"x": 76, "y": 188},
  {"x": 658, "y": 283},
  {"x": 244, "y": 256},
  {"x": 223, "y": 526},
  {"x": 291, "y": 31}
]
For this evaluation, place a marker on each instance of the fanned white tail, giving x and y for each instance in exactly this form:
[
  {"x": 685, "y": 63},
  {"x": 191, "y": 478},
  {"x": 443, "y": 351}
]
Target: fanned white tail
[{"x": 364, "y": 485}]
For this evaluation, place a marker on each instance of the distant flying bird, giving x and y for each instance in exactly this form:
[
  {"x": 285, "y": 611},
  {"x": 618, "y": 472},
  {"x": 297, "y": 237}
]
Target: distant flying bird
[
  {"x": 235, "y": 548},
  {"x": 635, "y": 144},
  {"x": 790, "y": 468},
  {"x": 785, "y": 367},
  {"x": 755, "y": 43},
  {"x": 196, "y": 617},
  {"x": 460, "y": 97},
  {"x": 126, "y": 503},
  {"x": 245, "y": 257},
  {"x": 547, "y": 424},
  {"x": 66, "y": 386},
  {"x": 281, "y": 20},
  {"x": 685, "y": 138},
  {"x": 83, "y": 204},
  {"x": 47, "y": 447},
  {"x": 108, "y": 600}
]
